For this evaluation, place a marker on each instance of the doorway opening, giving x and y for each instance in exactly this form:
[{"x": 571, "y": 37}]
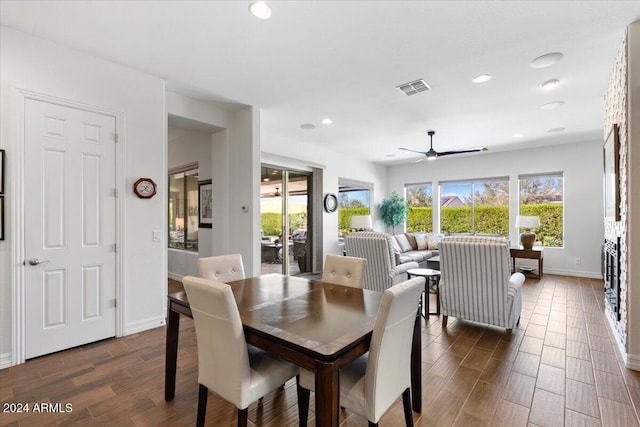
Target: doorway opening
[{"x": 286, "y": 220}]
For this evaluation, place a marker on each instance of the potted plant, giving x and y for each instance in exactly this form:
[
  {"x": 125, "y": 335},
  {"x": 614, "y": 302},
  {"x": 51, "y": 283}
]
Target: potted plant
[{"x": 393, "y": 211}]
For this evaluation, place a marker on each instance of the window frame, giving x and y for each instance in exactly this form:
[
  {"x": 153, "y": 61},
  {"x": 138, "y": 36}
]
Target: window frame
[
  {"x": 548, "y": 175},
  {"x": 190, "y": 170}
]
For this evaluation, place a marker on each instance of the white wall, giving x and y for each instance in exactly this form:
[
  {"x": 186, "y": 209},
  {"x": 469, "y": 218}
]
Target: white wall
[
  {"x": 186, "y": 146},
  {"x": 235, "y": 167},
  {"x": 37, "y": 65},
  {"x": 582, "y": 166}
]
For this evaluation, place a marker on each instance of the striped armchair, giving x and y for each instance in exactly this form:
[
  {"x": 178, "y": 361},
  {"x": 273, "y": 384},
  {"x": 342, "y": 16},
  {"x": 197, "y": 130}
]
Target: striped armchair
[
  {"x": 382, "y": 269},
  {"x": 476, "y": 282}
]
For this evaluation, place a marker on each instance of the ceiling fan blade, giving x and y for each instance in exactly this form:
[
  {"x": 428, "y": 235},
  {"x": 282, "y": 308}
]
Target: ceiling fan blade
[
  {"x": 421, "y": 159},
  {"x": 469, "y": 150},
  {"x": 415, "y": 151}
]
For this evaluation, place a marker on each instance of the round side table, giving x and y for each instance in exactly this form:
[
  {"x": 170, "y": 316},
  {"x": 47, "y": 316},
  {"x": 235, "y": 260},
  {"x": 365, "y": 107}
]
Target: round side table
[{"x": 430, "y": 286}]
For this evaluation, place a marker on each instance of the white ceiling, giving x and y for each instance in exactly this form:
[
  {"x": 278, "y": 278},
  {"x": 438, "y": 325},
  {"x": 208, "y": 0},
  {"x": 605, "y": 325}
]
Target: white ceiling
[{"x": 343, "y": 59}]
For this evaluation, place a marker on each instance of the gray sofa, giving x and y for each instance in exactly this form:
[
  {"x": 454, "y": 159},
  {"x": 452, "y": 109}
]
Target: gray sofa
[{"x": 416, "y": 247}]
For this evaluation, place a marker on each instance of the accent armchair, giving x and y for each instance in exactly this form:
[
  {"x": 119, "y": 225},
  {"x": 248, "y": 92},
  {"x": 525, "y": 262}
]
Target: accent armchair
[
  {"x": 476, "y": 282},
  {"x": 383, "y": 268}
]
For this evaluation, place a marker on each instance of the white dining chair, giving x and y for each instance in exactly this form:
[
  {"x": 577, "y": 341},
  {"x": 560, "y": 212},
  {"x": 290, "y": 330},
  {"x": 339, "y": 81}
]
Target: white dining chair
[
  {"x": 344, "y": 270},
  {"x": 237, "y": 372},
  {"x": 371, "y": 384},
  {"x": 223, "y": 268}
]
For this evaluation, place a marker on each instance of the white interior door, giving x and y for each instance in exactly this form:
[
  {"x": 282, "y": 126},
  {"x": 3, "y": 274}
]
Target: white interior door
[{"x": 70, "y": 227}]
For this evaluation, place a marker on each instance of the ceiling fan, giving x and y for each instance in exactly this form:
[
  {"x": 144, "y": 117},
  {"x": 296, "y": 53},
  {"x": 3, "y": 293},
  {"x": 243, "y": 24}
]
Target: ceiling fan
[{"x": 433, "y": 154}]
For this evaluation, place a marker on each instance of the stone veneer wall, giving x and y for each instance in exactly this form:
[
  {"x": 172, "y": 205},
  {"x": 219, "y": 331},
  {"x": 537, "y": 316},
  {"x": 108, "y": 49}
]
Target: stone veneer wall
[{"x": 616, "y": 112}]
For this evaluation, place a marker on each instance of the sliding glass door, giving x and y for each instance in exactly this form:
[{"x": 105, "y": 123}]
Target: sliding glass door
[{"x": 285, "y": 221}]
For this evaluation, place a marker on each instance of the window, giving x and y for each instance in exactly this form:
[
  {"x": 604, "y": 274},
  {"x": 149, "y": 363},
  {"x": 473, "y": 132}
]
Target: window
[
  {"x": 478, "y": 206},
  {"x": 420, "y": 202},
  {"x": 183, "y": 208},
  {"x": 354, "y": 198},
  {"x": 543, "y": 196}
]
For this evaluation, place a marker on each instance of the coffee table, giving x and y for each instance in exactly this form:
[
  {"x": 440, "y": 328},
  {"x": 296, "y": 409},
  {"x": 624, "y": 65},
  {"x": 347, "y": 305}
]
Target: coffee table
[{"x": 431, "y": 284}]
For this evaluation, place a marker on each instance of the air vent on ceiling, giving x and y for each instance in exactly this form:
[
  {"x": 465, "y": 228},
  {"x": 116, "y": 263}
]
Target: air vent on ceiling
[{"x": 414, "y": 87}]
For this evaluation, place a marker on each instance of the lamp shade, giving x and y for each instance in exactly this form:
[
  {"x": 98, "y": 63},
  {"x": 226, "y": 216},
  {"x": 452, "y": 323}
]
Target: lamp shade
[
  {"x": 361, "y": 222},
  {"x": 524, "y": 221}
]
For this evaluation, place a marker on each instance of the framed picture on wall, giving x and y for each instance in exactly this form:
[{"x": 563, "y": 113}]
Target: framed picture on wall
[
  {"x": 611, "y": 151},
  {"x": 2, "y": 156},
  {"x": 205, "y": 206}
]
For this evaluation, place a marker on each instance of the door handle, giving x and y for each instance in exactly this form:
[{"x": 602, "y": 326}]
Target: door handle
[{"x": 36, "y": 261}]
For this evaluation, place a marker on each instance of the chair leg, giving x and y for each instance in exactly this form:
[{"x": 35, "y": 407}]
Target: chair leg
[
  {"x": 303, "y": 403},
  {"x": 373, "y": 424},
  {"x": 406, "y": 402},
  {"x": 444, "y": 321},
  {"x": 242, "y": 417},
  {"x": 203, "y": 392}
]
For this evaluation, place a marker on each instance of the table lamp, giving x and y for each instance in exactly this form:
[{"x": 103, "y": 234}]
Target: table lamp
[
  {"x": 527, "y": 222},
  {"x": 361, "y": 222}
]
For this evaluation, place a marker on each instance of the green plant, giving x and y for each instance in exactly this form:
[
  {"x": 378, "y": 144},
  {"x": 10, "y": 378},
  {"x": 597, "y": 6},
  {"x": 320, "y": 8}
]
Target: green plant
[{"x": 393, "y": 211}]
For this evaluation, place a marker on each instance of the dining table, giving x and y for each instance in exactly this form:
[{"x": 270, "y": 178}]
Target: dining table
[{"x": 316, "y": 325}]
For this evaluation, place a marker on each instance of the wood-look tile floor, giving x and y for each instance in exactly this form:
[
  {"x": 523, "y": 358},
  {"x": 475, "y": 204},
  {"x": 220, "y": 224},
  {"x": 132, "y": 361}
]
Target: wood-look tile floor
[{"x": 559, "y": 368}]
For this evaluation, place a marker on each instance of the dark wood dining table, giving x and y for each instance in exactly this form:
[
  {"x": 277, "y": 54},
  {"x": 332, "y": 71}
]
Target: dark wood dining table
[{"x": 316, "y": 325}]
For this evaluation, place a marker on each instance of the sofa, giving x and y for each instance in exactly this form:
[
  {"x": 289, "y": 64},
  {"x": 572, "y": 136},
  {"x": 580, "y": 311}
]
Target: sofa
[{"x": 416, "y": 247}]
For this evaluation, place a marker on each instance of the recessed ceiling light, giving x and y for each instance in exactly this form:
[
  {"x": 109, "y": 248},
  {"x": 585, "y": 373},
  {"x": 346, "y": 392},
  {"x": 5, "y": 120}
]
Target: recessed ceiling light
[
  {"x": 556, "y": 130},
  {"x": 518, "y": 135},
  {"x": 327, "y": 121},
  {"x": 552, "y": 105},
  {"x": 266, "y": 179},
  {"x": 307, "y": 126},
  {"x": 260, "y": 9},
  {"x": 546, "y": 60},
  {"x": 550, "y": 84},
  {"x": 482, "y": 78}
]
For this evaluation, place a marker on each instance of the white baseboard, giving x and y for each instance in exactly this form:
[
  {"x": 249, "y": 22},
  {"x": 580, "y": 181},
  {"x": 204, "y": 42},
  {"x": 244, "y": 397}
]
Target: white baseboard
[
  {"x": 633, "y": 362},
  {"x": 574, "y": 273},
  {"x": 144, "y": 325},
  {"x": 5, "y": 360},
  {"x": 175, "y": 276}
]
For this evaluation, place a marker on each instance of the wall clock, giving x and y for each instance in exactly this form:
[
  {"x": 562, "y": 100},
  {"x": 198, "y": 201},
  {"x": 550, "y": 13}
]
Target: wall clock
[
  {"x": 144, "y": 188},
  {"x": 330, "y": 203}
]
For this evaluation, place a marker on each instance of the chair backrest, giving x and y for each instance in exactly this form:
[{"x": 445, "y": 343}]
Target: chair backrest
[
  {"x": 378, "y": 250},
  {"x": 223, "y": 358},
  {"x": 474, "y": 281},
  {"x": 344, "y": 270},
  {"x": 223, "y": 268},
  {"x": 388, "y": 371}
]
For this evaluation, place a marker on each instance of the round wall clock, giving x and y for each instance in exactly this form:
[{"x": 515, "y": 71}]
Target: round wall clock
[
  {"x": 330, "y": 203},
  {"x": 144, "y": 188}
]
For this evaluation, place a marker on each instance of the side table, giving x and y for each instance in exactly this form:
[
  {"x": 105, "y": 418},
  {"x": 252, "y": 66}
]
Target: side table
[
  {"x": 535, "y": 253},
  {"x": 431, "y": 284}
]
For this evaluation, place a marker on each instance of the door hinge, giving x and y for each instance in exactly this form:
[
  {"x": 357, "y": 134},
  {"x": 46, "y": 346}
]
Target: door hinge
[
  {"x": 116, "y": 138},
  {"x": 115, "y": 193},
  {"x": 115, "y": 247}
]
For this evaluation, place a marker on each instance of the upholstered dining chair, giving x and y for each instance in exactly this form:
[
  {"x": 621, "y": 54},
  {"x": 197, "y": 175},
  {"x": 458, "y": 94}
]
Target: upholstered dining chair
[
  {"x": 223, "y": 268},
  {"x": 370, "y": 385},
  {"x": 237, "y": 372},
  {"x": 383, "y": 268},
  {"x": 344, "y": 270},
  {"x": 476, "y": 282}
]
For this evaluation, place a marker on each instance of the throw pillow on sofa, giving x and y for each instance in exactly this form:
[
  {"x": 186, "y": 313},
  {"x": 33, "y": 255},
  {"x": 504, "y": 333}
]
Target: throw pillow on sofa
[
  {"x": 433, "y": 240},
  {"x": 412, "y": 240},
  {"x": 403, "y": 243},
  {"x": 422, "y": 241}
]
